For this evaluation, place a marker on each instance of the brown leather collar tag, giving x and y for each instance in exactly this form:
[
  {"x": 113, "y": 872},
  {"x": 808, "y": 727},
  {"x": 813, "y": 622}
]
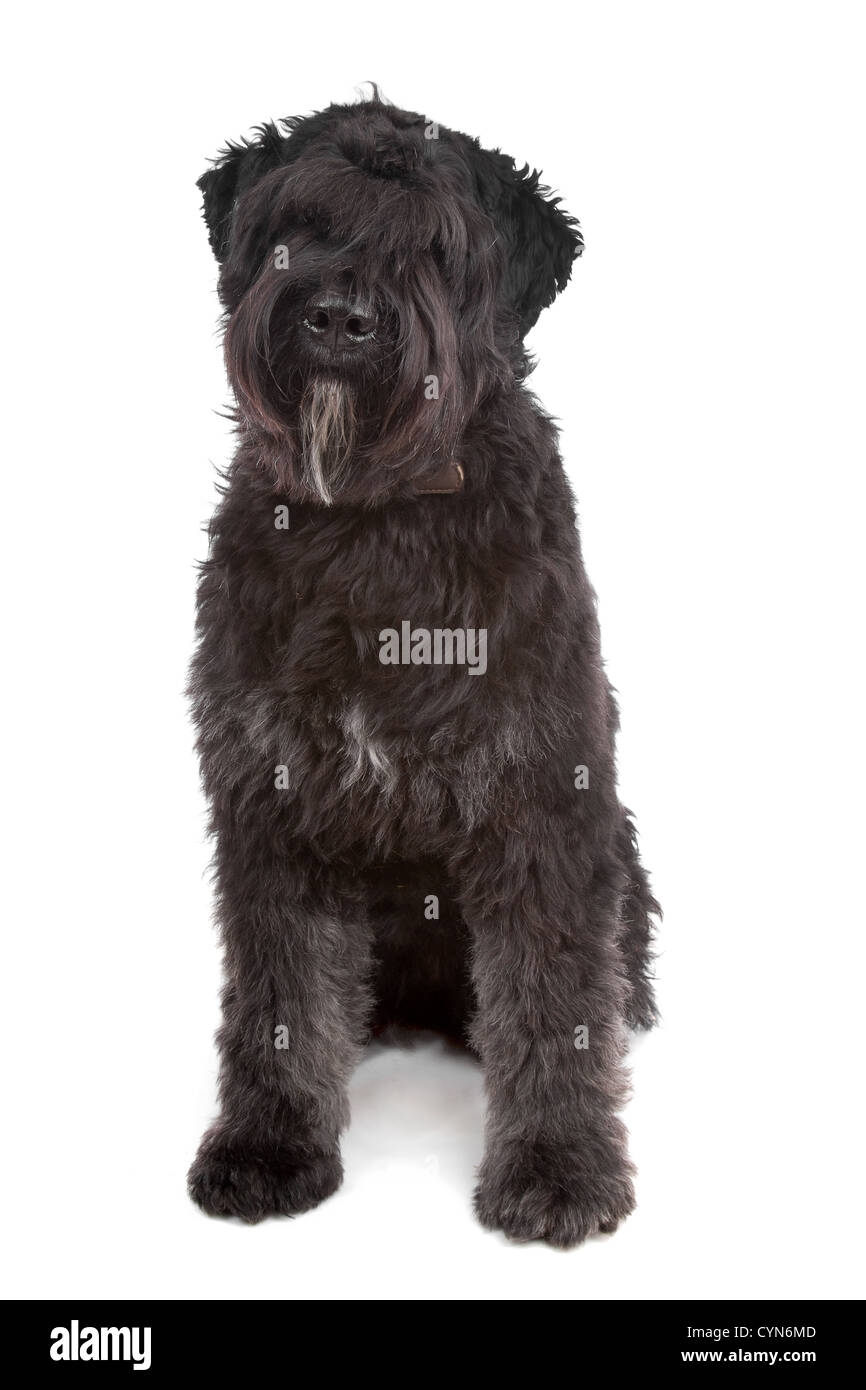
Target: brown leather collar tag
[{"x": 448, "y": 479}]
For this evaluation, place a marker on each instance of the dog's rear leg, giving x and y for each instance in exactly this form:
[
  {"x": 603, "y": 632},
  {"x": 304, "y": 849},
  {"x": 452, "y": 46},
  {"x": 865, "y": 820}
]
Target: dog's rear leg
[
  {"x": 294, "y": 1015},
  {"x": 638, "y": 908},
  {"x": 548, "y": 974}
]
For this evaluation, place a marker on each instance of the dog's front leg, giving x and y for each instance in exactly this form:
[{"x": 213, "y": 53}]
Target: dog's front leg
[
  {"x": 550, "y": 988},
  {"x": 294, "y": 1015}
]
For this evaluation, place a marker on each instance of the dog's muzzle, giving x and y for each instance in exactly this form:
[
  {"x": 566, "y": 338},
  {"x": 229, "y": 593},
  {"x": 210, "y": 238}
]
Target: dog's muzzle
[{"x": 337, "y": 323}]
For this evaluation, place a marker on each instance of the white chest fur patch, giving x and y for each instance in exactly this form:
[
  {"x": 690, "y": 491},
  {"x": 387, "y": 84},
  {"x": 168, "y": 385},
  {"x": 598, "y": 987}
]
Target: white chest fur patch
[{"x": 366, "y": 756}]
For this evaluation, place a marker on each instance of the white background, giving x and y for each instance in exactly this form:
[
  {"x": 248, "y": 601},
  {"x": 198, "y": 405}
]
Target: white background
[{"x": 706, "y": 364}]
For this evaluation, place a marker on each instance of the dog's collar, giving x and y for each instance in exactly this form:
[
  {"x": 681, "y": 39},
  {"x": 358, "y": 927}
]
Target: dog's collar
[{"x": 448, "y": 479}]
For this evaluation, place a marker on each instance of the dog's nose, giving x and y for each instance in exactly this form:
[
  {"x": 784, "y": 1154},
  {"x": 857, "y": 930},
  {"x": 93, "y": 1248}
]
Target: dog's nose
[{"x": 337, "y": 321}]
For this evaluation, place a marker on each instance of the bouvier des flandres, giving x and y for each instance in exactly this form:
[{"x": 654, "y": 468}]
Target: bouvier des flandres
[{"x": 405, "y": 728}]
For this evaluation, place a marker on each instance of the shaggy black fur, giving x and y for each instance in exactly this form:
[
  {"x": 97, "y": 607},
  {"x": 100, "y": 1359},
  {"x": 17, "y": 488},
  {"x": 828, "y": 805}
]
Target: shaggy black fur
[{"x": 349, "y": 795}]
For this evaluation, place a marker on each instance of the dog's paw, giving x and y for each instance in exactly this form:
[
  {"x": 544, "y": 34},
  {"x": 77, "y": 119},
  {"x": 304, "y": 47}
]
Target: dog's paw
[
  {"x": 555, "y": 1200},
  {"x": 228, "y": 1181}
]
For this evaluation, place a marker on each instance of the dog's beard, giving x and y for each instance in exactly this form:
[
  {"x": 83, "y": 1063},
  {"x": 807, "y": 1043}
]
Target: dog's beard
[{"x": 328, "y": 426}]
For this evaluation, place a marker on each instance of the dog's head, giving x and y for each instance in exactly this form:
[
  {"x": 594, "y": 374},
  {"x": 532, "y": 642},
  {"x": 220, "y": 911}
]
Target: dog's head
[{"x": 379, "y": 274}]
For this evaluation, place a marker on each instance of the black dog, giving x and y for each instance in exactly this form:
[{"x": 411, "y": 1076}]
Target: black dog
[{"x": 406, "y": 733}]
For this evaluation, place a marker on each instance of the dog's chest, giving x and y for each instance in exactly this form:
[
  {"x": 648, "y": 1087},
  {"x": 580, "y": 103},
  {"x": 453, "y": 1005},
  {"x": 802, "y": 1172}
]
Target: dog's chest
[{"x": 391, "y": 668}]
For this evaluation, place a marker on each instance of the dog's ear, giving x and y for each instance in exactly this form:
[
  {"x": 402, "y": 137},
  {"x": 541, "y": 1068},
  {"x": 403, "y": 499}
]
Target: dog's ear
[
  {"x": 540, "y": 242},
  {"x": 237, "y": 168}
]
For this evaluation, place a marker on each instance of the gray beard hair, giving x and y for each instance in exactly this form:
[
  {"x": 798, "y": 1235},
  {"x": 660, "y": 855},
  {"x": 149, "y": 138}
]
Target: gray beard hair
[{"x": 327, "y": 420}]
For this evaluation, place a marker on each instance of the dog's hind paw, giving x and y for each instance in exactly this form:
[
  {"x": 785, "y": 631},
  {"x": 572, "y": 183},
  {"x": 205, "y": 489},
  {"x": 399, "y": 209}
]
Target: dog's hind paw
[
  {"x": 563, "y": 1209},
  {"x": 227, "y": 1181}
]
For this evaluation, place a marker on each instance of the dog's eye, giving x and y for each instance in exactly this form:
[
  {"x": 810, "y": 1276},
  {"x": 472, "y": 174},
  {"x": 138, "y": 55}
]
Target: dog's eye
[{"x": 320, "y": 225}]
